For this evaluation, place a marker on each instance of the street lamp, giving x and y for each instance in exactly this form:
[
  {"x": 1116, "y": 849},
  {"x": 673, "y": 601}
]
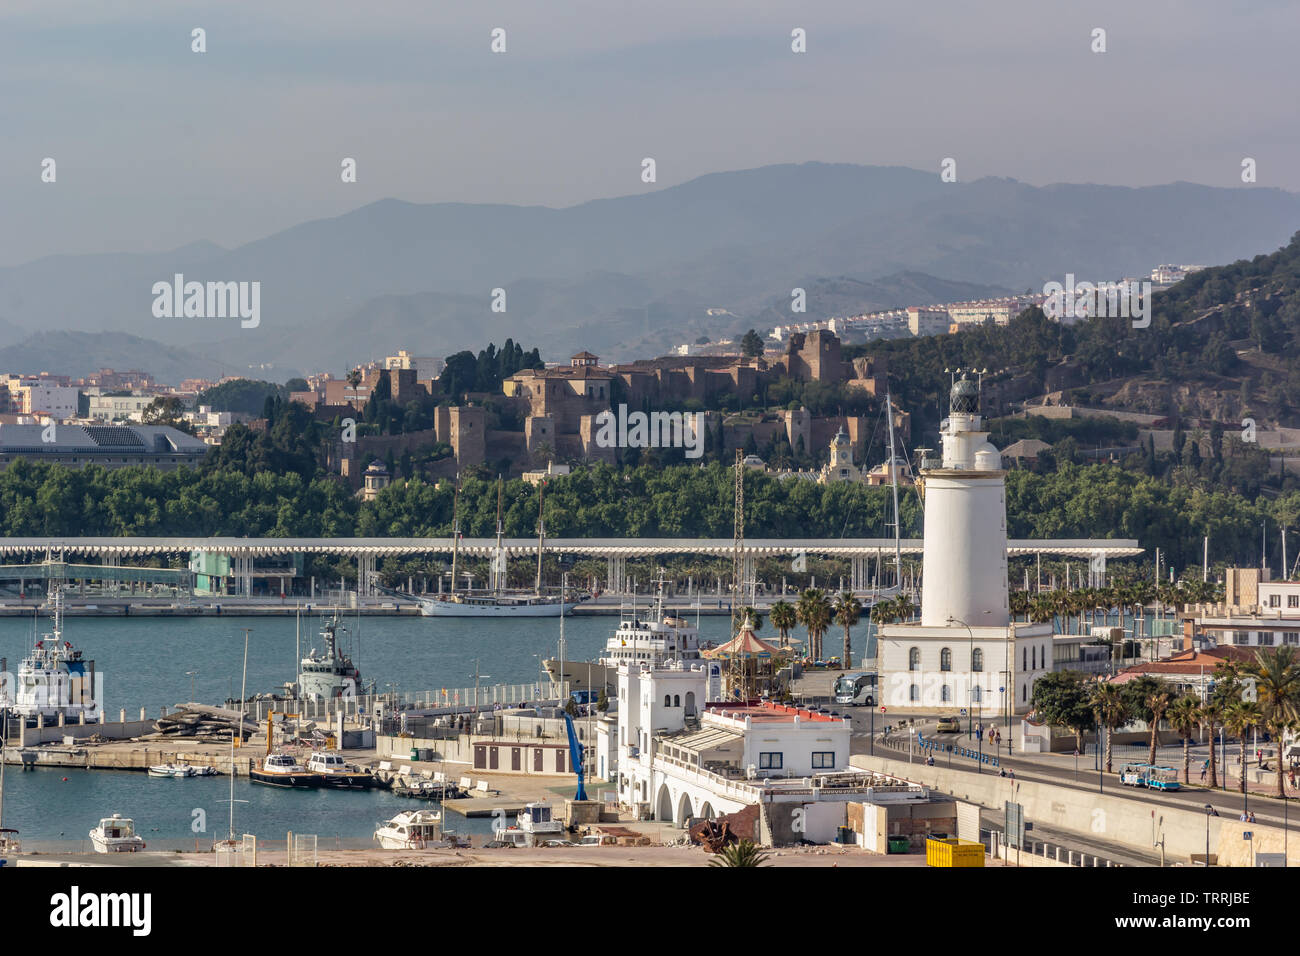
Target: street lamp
[
  {"x": 970, "y": 714},
  {"x": 1209, "y": 812}
]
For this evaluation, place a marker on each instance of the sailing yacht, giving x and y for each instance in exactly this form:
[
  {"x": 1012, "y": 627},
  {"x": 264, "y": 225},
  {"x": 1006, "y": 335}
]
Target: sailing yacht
[{"x": 497, "y": 600}]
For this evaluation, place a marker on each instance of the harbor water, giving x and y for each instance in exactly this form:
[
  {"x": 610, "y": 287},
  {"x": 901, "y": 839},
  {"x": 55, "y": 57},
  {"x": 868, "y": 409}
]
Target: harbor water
[{"x": 150, "y": 663}]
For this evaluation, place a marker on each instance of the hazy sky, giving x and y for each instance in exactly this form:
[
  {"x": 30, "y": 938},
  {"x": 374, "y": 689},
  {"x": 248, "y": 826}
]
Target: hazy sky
[{"x": 157, "y": 146}]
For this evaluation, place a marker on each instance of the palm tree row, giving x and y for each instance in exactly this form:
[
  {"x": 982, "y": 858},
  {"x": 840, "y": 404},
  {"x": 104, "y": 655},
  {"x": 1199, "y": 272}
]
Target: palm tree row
[
  {"x": 1133, "y": 597},
  {"x": 1263, "y": 693}
]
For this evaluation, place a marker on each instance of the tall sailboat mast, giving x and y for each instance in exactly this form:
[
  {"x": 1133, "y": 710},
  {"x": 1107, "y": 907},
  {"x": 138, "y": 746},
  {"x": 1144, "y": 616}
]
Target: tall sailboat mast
[
  {"x": 455, "y": 531},
  {"x": 541, "y": 534},
  {"x": 499, "y": 558},
  {"x": 893, "y": 475}
]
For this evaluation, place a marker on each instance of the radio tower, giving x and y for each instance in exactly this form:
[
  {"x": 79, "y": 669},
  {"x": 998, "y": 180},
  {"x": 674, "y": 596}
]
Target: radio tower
[{"x": 736, "y": 675}]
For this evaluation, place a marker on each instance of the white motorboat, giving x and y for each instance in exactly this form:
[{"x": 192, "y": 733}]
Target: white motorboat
[
  {"x": 116, "y": 834},
  {"x": 411, "y": 830},
  {"x": 337, "y": 772},
  {"x": 172, "y": 770},
  {"x": 533, "y": 826}
]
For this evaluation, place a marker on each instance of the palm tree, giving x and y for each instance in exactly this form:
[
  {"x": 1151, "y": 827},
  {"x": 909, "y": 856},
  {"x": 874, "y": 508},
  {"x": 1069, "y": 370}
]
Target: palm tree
[
  {"x": 1239, "y": 718},
  {"x": 847, "y": 611},
  {"x": 744, "y": 853},
  {"x": 1112, "y": 711},
  {"x": 783, "y": 619},
  {"x": 814, "y": 611},
  {"x": 1156, "y": 705},
  {"x": 1184, "y": 717},
  {"x": 1277, "y": 688},
  {"x": 1211, "y": 714}
]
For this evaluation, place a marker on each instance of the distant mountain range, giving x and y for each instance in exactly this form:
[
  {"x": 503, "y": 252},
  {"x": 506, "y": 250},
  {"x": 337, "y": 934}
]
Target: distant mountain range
[{"x": 625, "y": 277}]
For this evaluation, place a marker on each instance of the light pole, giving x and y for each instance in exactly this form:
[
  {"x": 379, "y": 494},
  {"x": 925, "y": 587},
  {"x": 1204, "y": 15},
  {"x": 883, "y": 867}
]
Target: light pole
[
  {"x": 970, "y": 714},
  {"x": 1209, "y": 812}
]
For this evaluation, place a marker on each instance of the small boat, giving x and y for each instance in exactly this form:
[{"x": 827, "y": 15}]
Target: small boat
[
  {"x": 116, "y": 834},
  {"x": 283, "y": 770},
  {"x": 411, "y": 830},
  {"x": 337, "y": 773},
  {"x": 533, "y": 826},
  {"x": 172, "y": 770}
]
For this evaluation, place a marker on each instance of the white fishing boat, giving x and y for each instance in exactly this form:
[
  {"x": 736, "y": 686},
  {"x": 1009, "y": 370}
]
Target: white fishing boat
[
  {"x": 172, "y": 770},
  {"x": 410, "y": 830},
  {"x": 54, "y": 679},
  {"x": 116, "y": 834},
  {"x": 533, "y": 826}
]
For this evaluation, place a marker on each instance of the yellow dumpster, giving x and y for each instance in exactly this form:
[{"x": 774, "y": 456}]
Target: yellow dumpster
[{"x": 952, "y": 852}]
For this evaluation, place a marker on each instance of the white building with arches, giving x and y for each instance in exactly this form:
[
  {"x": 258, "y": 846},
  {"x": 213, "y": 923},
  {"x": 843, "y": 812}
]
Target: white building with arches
[{"x": 681, "y": 756}]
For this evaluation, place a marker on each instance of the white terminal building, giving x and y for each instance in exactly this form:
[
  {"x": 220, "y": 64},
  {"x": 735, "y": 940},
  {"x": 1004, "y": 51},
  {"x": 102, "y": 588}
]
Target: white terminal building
[
  {"x": 965, "y": 652},
  {"x": 677, "y": 754}
]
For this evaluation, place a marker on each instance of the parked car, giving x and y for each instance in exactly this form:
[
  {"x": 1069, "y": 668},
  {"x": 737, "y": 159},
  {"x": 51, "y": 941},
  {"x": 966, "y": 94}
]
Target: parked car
[{"x": 560, "y": 843}]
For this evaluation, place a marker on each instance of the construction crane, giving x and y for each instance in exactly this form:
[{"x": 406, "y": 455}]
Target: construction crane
[{"x": 577, "y": 757}]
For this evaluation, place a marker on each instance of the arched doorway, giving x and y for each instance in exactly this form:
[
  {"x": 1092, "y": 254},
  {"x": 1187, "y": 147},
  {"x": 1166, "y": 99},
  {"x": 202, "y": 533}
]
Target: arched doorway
[
  {"x": 690, "y": 703},
  {"x": 664, "y": 805},
  {"x": 683, "y": 809}
]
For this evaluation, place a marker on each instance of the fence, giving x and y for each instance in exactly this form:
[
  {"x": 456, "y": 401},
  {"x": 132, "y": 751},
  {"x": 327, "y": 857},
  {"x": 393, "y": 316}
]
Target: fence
[
  {"x": 302, "y": 849},
  {"x": 928, "y": 746}
]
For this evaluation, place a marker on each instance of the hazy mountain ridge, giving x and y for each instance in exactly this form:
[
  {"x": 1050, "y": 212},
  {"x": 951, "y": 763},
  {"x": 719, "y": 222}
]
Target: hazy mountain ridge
[{"x": 625, "y": 273}]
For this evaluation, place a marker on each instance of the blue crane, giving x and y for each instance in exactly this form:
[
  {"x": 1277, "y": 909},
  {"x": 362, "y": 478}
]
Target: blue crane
[{"x": 577, "y": 754}]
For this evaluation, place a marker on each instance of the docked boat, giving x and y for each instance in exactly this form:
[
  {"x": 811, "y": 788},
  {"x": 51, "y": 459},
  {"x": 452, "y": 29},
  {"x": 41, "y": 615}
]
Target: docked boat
[
  {"x": 657, "y": 640},
  {"x": 533, "y": 826},
  {"x": 410, "y": 830},
  {"x": 498, "y": 600},
  {"x": 283, "y": 770},
  {"x": 116, "y": 834},
  {"x": 496, "y": 604},
  {"x": 335, "y": 772},
  {"x": 54, "y": 679},
  {"x": 329, "y": 673},
  {"x": 172, "y": 770}
]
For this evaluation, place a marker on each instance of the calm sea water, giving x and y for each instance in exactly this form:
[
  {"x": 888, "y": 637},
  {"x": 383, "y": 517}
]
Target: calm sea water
[{"x": 146, "y": 662}]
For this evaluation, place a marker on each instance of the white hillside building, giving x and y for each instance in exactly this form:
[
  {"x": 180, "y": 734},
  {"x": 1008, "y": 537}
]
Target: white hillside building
[{"x": 965, "y": 652}]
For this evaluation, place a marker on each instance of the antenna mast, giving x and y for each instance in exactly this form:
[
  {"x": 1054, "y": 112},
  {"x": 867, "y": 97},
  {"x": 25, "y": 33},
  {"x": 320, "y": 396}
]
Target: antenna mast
[{"x": 737, "y": 666}]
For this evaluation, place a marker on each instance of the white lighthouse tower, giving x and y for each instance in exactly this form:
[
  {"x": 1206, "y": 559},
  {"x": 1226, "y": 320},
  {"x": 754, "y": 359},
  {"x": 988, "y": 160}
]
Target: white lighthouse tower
[
  {"x": 965, "y": 655},
  {"x": 965, "y": 521}
]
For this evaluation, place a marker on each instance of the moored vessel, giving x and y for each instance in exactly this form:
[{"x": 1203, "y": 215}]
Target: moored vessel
[{"x": 116, "y": 834}]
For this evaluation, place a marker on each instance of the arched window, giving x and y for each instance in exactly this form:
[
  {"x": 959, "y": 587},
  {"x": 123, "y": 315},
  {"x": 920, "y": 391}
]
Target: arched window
[
  {"x": 914, "y": 693},
  {"x": 945, "y": 659},
  {"x": 677, "y": 700},
  {"x": 668, "y": 700},
  {"x": 914, "y": 660},
  {"x": 977, "y": 659},
  {"x": 1033, "y": 658},
  {"x": 975, "y": 693},
  {"x": 1024, "y": 658},
  {"x": 947, "y": 693}
]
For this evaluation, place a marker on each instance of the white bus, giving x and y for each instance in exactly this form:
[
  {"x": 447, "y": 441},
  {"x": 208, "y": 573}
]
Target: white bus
[{"x": 857, "y": 688}]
